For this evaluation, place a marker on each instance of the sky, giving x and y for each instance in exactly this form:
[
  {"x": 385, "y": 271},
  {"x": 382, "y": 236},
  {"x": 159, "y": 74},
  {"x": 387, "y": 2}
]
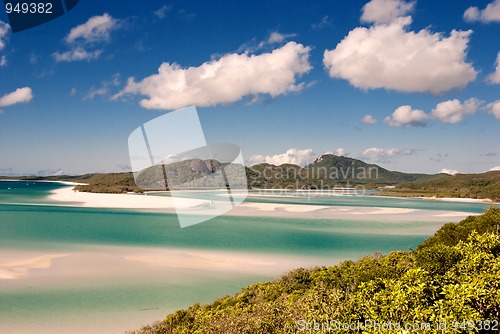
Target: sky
[{"x": 411, "y": 86}]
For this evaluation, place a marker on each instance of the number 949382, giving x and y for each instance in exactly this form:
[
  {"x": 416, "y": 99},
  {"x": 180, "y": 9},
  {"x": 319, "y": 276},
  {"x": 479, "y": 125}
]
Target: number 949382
[{"x": 29, "y": 7}]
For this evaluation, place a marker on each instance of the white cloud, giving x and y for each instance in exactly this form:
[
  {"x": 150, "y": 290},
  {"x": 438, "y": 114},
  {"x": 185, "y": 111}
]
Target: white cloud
[
  {"x": 368, "y": 119},
  {"x": 277, "y": 37},
  {"x": 291, "y": 156},
  {"x": 406, "y": 116},
  {"x": 83, "y": 38},
  {"x": 449, "y": 171},
  {"x": 453, "y": 111},
  {"x": 494, "y": 108},
  {"x": 385, "y": 153},
  {"x": 385, "y": 11},
  {"x": 391, "y": 57},
  {"x": 77, "y": 54},
  {"x": 96, "y": 29},
  {"x": 495, "y": 76},
  {"x": 93, "y": 92},
  {"x": 341, "y": 152},
  {"x": 224, "y": 80},
  {"x": 161, "y": 12},
  {"x": 105, "y": 87},
  {"x": 496, "y": 168},
  {"x": 490, "y": 14},
  {"x": 20, "y": 95},
  {"x": 4, "y": 31}
]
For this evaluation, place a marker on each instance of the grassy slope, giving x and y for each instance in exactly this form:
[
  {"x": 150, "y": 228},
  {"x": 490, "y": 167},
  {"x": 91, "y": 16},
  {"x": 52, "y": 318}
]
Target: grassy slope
[
  {"x": 484, "y": 185},
  {"x": 96, "y": 183},
  {"x": 451, "y": 276}
]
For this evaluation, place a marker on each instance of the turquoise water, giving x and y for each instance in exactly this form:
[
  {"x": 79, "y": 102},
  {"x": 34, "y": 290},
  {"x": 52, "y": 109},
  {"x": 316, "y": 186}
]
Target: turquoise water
[
  {"x": 30, "y": 225},
  {"x": 326, "y": 199},
  {"x": 138, "y": 293}
]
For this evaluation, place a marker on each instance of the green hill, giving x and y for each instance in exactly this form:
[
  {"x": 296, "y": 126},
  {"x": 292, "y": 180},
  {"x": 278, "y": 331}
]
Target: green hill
[
  {"x": 484, "y": 185},
  {"x": 95, "y": 182},
  {"x": 355, "y": 171},
  {"x": 325, "y": 172},
  {"x": 450, "y": 283}
]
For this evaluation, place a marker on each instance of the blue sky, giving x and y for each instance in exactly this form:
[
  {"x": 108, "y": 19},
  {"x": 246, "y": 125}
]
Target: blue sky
[{"x": 412, "y": 86}]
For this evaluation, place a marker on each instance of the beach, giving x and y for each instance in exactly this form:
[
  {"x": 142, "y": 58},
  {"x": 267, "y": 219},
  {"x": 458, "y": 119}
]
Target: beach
[{"x": 158, "y": 202}]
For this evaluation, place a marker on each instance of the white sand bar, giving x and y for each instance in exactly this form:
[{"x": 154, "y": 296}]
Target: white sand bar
[
  {"x": 68, "y": 197},
  {"x": 123, "y": 201}
]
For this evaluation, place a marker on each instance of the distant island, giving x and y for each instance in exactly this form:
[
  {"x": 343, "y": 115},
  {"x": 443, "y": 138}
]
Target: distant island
[{"x": 326, "y": 172}]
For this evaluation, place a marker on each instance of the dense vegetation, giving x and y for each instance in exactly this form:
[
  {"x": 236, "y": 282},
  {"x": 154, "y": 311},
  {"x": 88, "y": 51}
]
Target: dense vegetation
[
  {"x": 484, "y": 185},
  {"x": 450, "y": 283},
  {"x": 96, "y": 183},
  {"x": 328, "y": 171}
]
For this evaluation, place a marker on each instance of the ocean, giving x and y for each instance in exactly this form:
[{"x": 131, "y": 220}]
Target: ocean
[{"x": 92, "y": 270}]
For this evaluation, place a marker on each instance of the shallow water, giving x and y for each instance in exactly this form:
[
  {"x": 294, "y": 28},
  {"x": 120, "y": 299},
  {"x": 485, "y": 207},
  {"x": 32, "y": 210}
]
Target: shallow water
[{"x": 114, "y": 270}]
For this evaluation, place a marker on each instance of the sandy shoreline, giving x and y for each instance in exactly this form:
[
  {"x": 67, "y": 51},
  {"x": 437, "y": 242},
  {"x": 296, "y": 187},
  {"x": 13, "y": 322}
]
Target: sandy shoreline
[
  {"x": 118, "y": 201},
  {"x": 461, "y": 200},
  {"x": 66, "y": 196}
]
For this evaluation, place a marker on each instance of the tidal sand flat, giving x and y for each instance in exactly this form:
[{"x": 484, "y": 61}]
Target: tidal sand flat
[{"x": 133, "y": 285}]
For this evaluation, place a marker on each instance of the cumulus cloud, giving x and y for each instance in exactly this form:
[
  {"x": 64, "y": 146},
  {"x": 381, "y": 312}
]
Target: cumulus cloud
[
  {"x": 341, "y": 152},
  {"x": 496, "y": 168},
  {"x": 4, "y": 30},
  {"x": 291, "y": 156},
  {"x": 494, "y": 108},
  {"x": 20, "y": 95},
  {"x": 490, "y": 14},
  {"x": 495, "y": 76},
  {"x": 77, "y": 54},
  {"x": 385, "y": 153},
  {"x": 84, "y": 38},
  {"x": 385, "y": 11},
  {"x": 96, "y": 29},
  {"x": 454, "y": 111},
  {"x": 406, "y": 116},
  {"x": 392, "y": 57},
  {"x": 368, "y": 119},
  {"x": 161, "y": 12},
  {"x": 224, "y": 80},
  {"x": 449, "y": 171}
]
